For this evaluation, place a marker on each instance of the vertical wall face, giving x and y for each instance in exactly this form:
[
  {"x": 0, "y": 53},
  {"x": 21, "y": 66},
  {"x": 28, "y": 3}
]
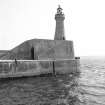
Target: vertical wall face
[
  {"x": 60, "y": 50},
  {"x": 42, "y": 49},
  {"x": 59, "y": 31},
  {"x": 31, "y": 68}
]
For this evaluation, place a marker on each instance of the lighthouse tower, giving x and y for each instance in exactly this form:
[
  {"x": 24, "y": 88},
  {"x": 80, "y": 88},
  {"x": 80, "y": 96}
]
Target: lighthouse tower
[{"x": 59, "y": 31}]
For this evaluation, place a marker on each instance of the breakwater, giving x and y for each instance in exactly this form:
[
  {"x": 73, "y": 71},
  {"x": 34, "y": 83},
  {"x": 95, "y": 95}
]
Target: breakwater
[{"x": 19, "y": 68}]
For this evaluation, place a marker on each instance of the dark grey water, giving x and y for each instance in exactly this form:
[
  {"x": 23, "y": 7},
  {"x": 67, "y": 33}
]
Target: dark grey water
[
  {"x": 92, "y": 81},
  {"x": 86, "y": 88},
  {"x": 59, "y": 90}
]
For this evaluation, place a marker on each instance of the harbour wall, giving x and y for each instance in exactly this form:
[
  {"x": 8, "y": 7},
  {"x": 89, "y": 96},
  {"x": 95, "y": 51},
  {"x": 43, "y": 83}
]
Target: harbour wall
[
  {"x": 20, "y": 68},
  {"x": 38, "y": 49}
]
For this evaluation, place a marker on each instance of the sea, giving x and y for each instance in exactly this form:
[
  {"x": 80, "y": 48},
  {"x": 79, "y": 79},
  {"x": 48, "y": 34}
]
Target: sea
[{"x": 85, "y": 87}]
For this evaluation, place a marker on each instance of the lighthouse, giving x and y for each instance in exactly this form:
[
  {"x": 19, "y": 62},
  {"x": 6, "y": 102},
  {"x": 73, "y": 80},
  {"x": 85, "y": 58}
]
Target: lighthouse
[
  {"x": 59, "y": 31},
  {"x": 42, "y": 56}
]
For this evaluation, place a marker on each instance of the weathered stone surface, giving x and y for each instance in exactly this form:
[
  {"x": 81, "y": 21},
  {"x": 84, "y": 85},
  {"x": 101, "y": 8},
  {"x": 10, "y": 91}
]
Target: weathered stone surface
[
  {"x": 67, "y": 66},
  {"x": 3, "y": 52},
  {"x": 43, "y": 49},
  {"x": 31, "y": 68}
]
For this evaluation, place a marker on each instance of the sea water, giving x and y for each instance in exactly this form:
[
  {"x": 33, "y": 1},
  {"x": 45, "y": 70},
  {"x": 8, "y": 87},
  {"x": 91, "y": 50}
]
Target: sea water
[
  {"x": 92, "y": 81},
  {"x": 86, "y": 87}
]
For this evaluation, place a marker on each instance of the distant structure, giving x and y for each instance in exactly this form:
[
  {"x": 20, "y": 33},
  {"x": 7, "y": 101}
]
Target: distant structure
[{"x": 38, "y": 56}]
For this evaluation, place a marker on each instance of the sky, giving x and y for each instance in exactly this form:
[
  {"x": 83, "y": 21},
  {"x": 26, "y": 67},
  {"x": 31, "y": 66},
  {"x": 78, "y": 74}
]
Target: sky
[{"x": 22, "y": 20}]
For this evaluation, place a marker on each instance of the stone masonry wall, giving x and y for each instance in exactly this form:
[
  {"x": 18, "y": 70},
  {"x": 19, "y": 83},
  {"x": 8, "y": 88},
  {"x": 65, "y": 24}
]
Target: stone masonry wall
[
  {"x": 29, "y": 68},
  {"x": 43, "y": 49}
]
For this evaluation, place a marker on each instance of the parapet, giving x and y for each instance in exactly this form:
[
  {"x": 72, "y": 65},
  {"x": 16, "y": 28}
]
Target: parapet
[{"x": 37, "y": 67}]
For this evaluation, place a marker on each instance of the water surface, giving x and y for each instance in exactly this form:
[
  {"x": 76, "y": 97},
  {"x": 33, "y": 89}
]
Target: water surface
[
  {"x": 45, "y": 90},
  {"x": 84, "y": 88},
  {"x": 92, "y": 81}
]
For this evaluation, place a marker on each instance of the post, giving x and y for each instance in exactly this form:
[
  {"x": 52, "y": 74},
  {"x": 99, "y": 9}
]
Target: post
[
  {"x": 15, "y": 65},
  {"x": 54, "y": 72}
]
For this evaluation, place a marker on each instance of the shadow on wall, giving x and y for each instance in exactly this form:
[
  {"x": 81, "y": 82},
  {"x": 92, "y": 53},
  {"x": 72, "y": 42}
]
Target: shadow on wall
[{"x": 32, "y": 53}]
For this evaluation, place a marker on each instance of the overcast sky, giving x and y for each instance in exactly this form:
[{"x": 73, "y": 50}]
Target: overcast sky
[{"x": 22, "y": 20}]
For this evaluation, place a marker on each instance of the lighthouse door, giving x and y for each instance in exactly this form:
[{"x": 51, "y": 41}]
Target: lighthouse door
[{"x": 32, "y": 53}]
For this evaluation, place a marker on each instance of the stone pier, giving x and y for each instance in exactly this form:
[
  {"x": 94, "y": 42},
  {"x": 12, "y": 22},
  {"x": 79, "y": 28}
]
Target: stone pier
[{"x": 10, "y": 68}]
